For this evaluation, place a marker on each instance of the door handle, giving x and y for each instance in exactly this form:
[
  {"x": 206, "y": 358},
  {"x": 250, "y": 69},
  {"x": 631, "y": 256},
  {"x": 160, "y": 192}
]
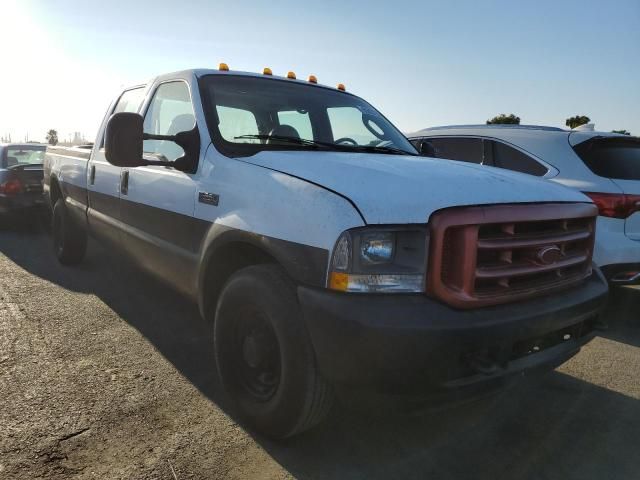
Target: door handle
[
  {"x": 92, "y": 175},
  {"x": 124, "y": 182}
]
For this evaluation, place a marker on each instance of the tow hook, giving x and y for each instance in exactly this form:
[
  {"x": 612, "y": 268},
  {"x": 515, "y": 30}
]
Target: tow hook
[
  {"x": 600, "y": 325},
  {"x": 480, "y": 363}
]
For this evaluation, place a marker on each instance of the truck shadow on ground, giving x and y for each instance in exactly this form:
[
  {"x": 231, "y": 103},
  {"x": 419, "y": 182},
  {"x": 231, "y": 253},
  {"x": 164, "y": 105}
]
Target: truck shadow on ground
[
  {"x": 623, "y": 312},
  {"x": 557, "y": 426}
]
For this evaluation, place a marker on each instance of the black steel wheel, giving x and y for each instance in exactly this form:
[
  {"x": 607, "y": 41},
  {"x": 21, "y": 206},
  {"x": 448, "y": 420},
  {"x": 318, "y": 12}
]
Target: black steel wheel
[
  {"x": 264, "y": 354},
  {"x": 69, "y": 238}
]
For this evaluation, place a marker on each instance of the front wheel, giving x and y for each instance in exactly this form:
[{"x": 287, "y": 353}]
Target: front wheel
[
  {"x": 264, "y": 355},
  {"x": 69, "y": 239}
]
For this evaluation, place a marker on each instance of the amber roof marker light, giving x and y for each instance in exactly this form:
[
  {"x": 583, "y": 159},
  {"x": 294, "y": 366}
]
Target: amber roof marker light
[
  {"x": 223, "y": 67},
  {"x": 291, "y": 75},
  {"x": 267, "y": 71},
  {"x": 312, "y": 79},
  {"x": 341, "y": 87}
]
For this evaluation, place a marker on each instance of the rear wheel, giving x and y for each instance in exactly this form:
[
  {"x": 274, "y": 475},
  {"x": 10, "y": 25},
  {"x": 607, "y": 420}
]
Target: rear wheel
[
  {"x": 69, "y": 239},
  {"x": 264, "y": 355}
]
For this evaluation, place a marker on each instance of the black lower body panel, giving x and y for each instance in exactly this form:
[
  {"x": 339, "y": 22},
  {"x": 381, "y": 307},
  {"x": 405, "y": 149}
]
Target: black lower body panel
[{"x": 412, "y": 343}]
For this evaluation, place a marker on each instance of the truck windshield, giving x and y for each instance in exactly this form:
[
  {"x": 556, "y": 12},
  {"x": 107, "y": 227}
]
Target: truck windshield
[
  {"x": 250, "y": 114},
  {"x": 26, "y": 155}
]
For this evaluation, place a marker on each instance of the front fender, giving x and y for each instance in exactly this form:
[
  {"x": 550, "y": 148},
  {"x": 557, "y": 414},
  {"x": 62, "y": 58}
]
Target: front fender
[{"x": 291, "y": 220}]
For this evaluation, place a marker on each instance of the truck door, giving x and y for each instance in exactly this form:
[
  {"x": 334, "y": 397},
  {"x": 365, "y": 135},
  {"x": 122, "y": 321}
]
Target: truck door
[
  {"x": 105, "y": 181},
  {"x": 158, "y": 205}
]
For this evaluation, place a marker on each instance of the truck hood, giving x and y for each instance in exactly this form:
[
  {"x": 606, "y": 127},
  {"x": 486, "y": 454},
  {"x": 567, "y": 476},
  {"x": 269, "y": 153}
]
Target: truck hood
[{"x": 391, "y": 189}]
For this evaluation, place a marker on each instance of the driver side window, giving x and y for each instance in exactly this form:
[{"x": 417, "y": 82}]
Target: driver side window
[{"x": 170, "y": 112}]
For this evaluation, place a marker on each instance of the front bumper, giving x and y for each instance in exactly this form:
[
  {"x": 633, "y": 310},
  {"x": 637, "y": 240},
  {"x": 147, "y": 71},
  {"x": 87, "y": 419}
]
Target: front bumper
[{"x": 412, "y": 343}]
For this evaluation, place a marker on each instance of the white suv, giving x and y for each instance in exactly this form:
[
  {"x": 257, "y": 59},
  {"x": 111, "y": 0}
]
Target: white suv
[{"x": 605, "y": 166}]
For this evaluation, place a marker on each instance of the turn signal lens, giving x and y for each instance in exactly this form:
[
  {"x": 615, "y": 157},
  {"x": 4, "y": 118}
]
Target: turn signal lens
[
  {"x": 339, "y": 281},
  {"x": 267, "y": 71},
  {"x": 223, "y": 67},
  {"x": 312, "y": 79},
  {"x": 341, "y": 87},
  {"x": 291, "y": 75}
]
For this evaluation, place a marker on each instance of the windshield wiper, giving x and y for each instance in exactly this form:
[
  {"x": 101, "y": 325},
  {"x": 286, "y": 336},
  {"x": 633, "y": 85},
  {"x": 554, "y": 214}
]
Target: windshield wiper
[
  {"x": 385, "y": 149},
  {"x": 329, "y": 145},
  {"x": 293, "y": 140}
]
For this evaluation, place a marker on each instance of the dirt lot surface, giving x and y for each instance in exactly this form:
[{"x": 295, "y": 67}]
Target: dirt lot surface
[{"x": 105, "y": 373}]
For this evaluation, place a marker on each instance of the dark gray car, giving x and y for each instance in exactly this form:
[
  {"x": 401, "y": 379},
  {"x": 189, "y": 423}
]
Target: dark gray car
[{"x": 21, "y": 176}]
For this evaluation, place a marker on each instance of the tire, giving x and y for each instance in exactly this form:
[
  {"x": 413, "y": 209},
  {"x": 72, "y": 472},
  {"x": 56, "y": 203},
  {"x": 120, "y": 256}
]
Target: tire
[
  {"x": 264, "y": 354},
  {"x": 69, "y": 239}
]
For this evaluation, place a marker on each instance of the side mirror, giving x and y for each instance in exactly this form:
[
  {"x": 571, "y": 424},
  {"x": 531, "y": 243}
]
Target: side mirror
[
  {"x": 426, "y": 149},
  {"x": 123, "y": 140}
]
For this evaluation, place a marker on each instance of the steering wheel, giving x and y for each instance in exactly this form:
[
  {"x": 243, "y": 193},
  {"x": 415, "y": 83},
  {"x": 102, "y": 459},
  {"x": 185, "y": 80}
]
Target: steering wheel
[{"x": 346, "y": 140}]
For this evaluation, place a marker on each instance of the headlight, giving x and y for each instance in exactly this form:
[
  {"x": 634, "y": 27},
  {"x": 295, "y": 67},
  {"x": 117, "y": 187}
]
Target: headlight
[
  {"x": 380, "y": 259},
  {"x": 377, "y": 248}
]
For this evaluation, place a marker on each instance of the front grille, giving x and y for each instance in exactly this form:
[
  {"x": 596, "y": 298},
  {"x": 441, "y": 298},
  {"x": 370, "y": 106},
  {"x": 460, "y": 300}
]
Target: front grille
[{"x": 488, "y": 255}]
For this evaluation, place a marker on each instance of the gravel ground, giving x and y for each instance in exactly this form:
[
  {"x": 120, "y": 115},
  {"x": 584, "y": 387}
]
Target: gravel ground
[{"x": 105, "y": 373}]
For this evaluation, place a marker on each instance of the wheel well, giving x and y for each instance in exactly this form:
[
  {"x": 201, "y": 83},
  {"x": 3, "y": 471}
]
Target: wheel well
[
  {"x": 54, "y": 191},
  {"x": 223, "y": 263}
]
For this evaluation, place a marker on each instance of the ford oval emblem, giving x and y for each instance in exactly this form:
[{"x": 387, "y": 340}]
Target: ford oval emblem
[{"x": 549, "y": 255}]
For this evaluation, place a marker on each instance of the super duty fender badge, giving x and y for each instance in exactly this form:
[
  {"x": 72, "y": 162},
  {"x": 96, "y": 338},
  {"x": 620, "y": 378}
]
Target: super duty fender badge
[{"x": 208, "y": 198}]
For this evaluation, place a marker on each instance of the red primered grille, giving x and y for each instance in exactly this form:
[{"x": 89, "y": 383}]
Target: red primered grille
[{"x": 488, "y": 255}]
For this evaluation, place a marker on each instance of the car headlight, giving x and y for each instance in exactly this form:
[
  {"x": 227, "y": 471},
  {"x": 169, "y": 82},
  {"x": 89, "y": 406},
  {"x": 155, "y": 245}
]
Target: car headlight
[{"x": 380, "y": 260}]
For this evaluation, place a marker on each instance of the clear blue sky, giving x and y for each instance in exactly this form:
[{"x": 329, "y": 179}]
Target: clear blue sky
[{"x": 422, "y": 63}]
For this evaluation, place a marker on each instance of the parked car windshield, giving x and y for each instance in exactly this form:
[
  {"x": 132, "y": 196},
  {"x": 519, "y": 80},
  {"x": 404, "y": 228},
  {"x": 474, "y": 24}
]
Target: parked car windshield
[
  {"x": 23, "y": 155},
  {"x": 250, "y": 114},
  {"x": 612, "y": 157}
]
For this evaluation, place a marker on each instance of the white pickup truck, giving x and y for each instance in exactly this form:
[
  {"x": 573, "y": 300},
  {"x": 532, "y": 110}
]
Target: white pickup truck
[{"x": 323, "y": 249}]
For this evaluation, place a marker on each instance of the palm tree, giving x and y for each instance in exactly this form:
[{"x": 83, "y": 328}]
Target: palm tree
[{"x": 52, "y": 137}]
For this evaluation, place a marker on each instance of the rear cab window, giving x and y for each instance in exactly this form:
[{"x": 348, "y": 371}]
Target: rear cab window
[
  {"x": 298, "y": 119},
  {"x": 346, "y": 124},
  {"x": 235, "y": 122},
  {"x": 611, "y": 157}
]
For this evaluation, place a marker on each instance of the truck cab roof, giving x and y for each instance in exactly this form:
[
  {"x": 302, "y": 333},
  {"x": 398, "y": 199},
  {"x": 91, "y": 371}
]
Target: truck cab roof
[{"x": 202, "y": 72}]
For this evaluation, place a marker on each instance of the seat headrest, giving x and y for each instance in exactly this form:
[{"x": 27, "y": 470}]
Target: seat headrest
[{"x": 283, "y": 131}]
